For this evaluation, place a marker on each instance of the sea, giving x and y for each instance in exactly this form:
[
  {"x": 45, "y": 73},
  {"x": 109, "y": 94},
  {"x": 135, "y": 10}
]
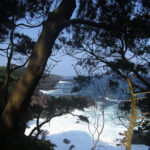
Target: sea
[
  {"x": 97, "y": 88},
  {"x": 82, "y": 135}
]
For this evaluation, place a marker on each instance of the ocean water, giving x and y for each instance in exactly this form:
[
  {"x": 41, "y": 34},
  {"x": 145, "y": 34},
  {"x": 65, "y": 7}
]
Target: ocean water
[
  {"x": 105, "y": 99},
  {"x": 81, "y": 134},
  {"x": 98, "y": 89}
]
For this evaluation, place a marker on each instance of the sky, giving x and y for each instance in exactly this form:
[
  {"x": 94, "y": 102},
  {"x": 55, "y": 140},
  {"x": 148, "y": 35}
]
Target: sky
[{"x": 65, "y": 67}]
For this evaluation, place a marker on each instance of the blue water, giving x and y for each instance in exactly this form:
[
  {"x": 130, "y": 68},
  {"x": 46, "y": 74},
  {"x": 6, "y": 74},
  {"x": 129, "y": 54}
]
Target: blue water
[{"x": 97, "y": 90}]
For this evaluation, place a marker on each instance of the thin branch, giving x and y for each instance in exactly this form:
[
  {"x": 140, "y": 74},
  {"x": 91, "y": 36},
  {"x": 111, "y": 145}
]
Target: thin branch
[
  {"x": 3, "y": 55},
  {"x": 85, "y": 22},
  {"x": 55, "y": 60},
  {"x": 20, "y": 65},
  {"x": 29, "y": 26}
]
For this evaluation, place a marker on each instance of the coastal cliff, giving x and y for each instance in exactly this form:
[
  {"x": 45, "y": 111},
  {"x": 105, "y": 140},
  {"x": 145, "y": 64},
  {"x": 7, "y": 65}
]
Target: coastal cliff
[{"x": 49, "y": 82}]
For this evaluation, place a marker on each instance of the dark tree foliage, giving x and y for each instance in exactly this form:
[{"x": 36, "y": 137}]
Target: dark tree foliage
[
  {"x": 13, "y": 13},
  {"x": 124, "y": 35},
  {"x": 120, "y": 46},
  {"x": 24, "y": 44},
  {"x": 81, "y": 81},
  {"x": 48, "y": 107}
]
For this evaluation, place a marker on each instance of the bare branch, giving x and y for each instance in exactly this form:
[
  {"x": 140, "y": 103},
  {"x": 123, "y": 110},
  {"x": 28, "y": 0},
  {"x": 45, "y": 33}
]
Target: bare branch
[
  {"x": 29, "y": 26},
  {"x": 86, "y": 22},
  {"x": 20, "y": 65}
]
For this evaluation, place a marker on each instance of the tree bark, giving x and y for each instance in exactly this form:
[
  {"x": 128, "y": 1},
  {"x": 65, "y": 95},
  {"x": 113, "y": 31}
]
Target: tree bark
[{"x": 20, "y": 98}]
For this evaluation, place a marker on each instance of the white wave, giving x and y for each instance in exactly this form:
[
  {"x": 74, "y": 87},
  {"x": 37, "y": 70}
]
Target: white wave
[
  {"x": 66, "y": 126},
  {"x": 47, "y": 92},
  {"x": 114, "y": 100},
  {"x": 64, "y": 82}
]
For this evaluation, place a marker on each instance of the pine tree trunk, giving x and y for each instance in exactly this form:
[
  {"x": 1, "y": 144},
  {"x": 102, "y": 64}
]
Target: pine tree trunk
[{"x": 20, "y": 98}]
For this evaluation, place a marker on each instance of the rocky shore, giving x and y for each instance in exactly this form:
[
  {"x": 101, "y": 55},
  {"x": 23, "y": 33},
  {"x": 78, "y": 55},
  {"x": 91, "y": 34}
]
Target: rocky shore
[
  {"x": 53, "y": 106},
  {"x": 49, "y": 82},
  {"x": 61, "y": 104}
]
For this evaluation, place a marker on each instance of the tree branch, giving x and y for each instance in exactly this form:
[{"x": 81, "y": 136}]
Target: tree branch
[
  {"x": 20, "y": 66},
  {"x": 85, "y": 22},
  {"x": 29, "y": 26}
]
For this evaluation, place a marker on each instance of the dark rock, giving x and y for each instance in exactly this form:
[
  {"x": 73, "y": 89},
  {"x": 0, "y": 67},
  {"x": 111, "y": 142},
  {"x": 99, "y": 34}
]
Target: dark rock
[
  {"x": 49, "y": 82},
  {"x": 71, "y": 147},
  {"x": 66, "y": 141},
  {"x": 85, "y": 100},
  {"x": 140, "y": 138}
]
